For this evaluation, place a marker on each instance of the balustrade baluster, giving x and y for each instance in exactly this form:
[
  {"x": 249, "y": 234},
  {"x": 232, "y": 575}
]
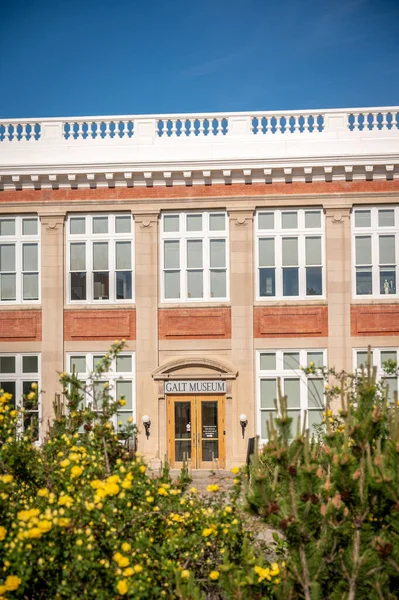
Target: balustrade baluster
[
  {"x": 297, "y": 125},
  {"x": 374, "y": 124},
  {"x": 174, "y": 127},
  {"x": 191, "y": 129},
  {"x": 306, "y": 123},
  {"x": 384, "y": 122},
  {"x": 125, "y": 129},
  {"x": 268, "y": 124},
  {"x": 219, "y": 126},
  {"x": 107, "y": 132},
  {"x": 201, "y": 128}
]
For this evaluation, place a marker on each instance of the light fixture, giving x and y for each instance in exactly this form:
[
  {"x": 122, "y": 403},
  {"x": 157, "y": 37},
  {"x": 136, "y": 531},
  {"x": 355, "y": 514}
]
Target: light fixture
[
  {"x": 147, "y": 424},
  {"x": 244, "y": 423}
]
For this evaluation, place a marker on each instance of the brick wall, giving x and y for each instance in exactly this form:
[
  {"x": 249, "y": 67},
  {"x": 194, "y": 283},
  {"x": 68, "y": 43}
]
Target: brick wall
[
  {"x": 20, "y": 325},
  {"x": 376, "y": 319},
  {"x": 290, "y": 321},
  {"x": 194, "y": 323},
  {"x": 99, "y": 324}
]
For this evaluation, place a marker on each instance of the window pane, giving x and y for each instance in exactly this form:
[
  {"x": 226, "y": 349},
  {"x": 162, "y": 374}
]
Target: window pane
[
  {"x": 315, "y": 417},
  {"x": 388, "y": 355},
  {"x": 123, "y": 255},
  {"x": 9, "y": 388},
  {"x": 218, "y": 253},
  {"x": 364, "y": 281},
  {"x": 266, "y": 220},
  {"x": 362, "y": 218},
  {"x": 387, "y": 281},
  {"x": 290, "y": 282},
  {"x": 296, "y": 417},
  {"x": 290, "y": 251},
  {"x": 172, "y": 284},
  {"x": 30, "y": 257},
  {"x": 100, "y": 256},
  {"x": 124, "y": 388},
  {"x": 268, "y": 362},
  {"x": 78, "y": 257},
  {"x": 291, "y": 360},
  {"x": 268, "y": 392},
  {"x": 363, "y": 250},
  {"x": 122, "y": 418},
  {"x": 265, "y": 417},
  {"x": 78, "y": 225},
  {"x": 194, "y": 222},
  {"x": 387, "y": 249},
  {"x": 218, "y": 284},
  {"x": 289, "y": 220},
  {"x": 101, "y": 286},
  {"x": 292, "y": 391},
  {"x": 172, "y": 255},
  {"x": 315, "y": 393},
  {"x": 7, "y": 364},
  {"x": 194, "y": 254},
  {"x": 77, "y": 363},
  {"x": 314, "y": 284},
  {"x": 386, "y": 217},
  {"x": 124, "y": 364},
  {"x": 195, "y": 284},
  {"x": 98, "y": 392},
  {"x": 30, "y": 364},
  {"x": 316, "y": 358},
  {"x": 392, "y": 384},
  {"x": 217, "y": 222},
  {"x": 123, "y": 224},
  {"x": 267, "y": 282},
  {"x": 8, "y": 287},
  {"x": 7, "y": 257},
  {"x": 29, "y": 226},
  {"x": 312, "y": 219},
  {"x": 100, "y": 224},
  {"x": 266, "y": 253},
  {"x": 313, "y": 250},
  {"x": 361, "y": 359},
  {"x": 97, "y": 360},
  {"x": 7, "y": 226},
  {"x": 31, "y": 286},
  {"x": 78, "y": 286},
  {"x": 123, "y": 285},
  {"x": 171, "y": 223}
]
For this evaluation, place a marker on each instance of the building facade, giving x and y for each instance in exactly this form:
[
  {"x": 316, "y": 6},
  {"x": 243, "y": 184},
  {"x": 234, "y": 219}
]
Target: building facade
[{"x": 226, "y": 249}]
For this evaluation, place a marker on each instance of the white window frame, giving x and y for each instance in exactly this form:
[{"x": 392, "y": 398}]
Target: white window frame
[
  {"x": 205, "y": 235},
  {"x": 19, "y": 377},
  {"x": 281, "y": 373},
  {"x": 374, "y": 231},
  {"x": 112, "y": 376},
  {"x": 19, "y": 240},
  {"x": 376, "y": 361},
  {"x": 89, "y": 238},
  {"x": 278, "y": 233}
]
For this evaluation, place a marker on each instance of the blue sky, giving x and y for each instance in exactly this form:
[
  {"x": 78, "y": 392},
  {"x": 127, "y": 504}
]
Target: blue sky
[{"x": 80, "y": 57}]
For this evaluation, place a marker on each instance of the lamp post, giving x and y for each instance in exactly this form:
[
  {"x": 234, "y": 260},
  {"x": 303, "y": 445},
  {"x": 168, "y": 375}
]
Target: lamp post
[{"x": 147, "y": 424}]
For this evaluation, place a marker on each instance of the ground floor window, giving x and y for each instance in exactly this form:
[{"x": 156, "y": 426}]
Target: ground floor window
[
  {"x": 20, "y": 376},
  {"x": 305, "y": 393},
  {"x": 119, "y": 379},
  {"x": 385, "y": 360}
]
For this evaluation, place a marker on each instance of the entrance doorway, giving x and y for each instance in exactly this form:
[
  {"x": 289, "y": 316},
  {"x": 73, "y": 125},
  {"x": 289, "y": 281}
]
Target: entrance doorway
[{"x": 196, "y": 431}]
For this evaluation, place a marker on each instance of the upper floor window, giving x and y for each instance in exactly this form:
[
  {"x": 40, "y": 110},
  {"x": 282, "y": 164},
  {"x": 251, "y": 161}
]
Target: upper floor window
[
  {"x": 100, "y": 258},
  {"x": 290, "y": 253},
  {"x": 19, "y": 259},
  {"x": 194, "y": 257},
  {"x": 305, "y": 394},
  {"x": 17, "y": 374},
  {"x": 381, "y": 358},
  {"x": 375, "y": 250}
]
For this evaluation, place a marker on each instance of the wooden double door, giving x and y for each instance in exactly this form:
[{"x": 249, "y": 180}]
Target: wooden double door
[{"x": 196, "y": 431}]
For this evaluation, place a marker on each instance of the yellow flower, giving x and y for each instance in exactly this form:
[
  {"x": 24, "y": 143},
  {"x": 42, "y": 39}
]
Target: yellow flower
[
  {"x": 44, "y": 525},
  {"x": 150, "y": 499},
  {"x": 142, "y": 468},
  {"x": 7, "y": 478},
  {"x": 122, "y": 587},
  {"x": 207, "y": 532},
  {"x": 3, "y": 533},
  {"x": 122, "y": 402},
  {"x": 213, "y": 487},
  {"x": 235, "y": 470},
  {"x": 137, "y": 568},
  {"x": 12, "y": 583},
  {"x": 65, "y": 463},
  {"x": 162, "y": 492},
  {"x": 214, "y": 575},
  {"x": 76, "y": 471},
  {"x": 193, "y": 490},
  {"x": 185, "y": 574},
  {"x": 126, "y": 547},
  {"x": 43, "y": 492},
  {"x": 34, "y": 386},
  {"x": 130, "y": 420}
]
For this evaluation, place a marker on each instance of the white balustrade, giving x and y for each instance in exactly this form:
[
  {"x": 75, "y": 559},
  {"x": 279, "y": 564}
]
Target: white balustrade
[
  {"x": 106, "y": 128},
  {"x": 372, "y": 119},
  {"x": 287, "y": 124},
  {"x": 17, "y": 131},
  {"x": 192, "y": 126}
]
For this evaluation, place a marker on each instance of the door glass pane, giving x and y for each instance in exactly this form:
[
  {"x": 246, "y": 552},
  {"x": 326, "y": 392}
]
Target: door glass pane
[
  {"x": 123, "y": 285},
  {"x": 315, "y": 393},
  {"x": 217, "y": 222},
  {"x": 290, "y": 282},
  {"x": 218, "y": 253},
  {"x": 314, "y": 283},
  {"x": 364, "y": 281},
  {"x": 268, "y": 393},
  {"x": 194, "y": 222},
  {"x": 124, "y": 388},
  {"x": 291, "y": 390},
  {"x": 266, "y": 220},
  {"x": 387, "y": 249},
  {"x": 387, "y": 280},
  {"x": 124, "y": 364},
  {"x": 313, "y": 250},
  {"x": 194, "y": 254},
  {"x": 123, "y": 224},
  {"x": 172, "y": 255},
  {"x": 291, "y": 360},
  {"x": 29, "y": 226},
  {"x": 7, "y": 364},
  {"x": 386, "y": 218},
  {"x": 363, "y": 250},
  {"x": 267, "y": 282},
  {"x": 315, "y": 417},
  {"x": 265, "y": 417},
  {"x": 182, "y": 433},
  {"x": 77, "y": 225},
  {"x": 101, "y": 286},
  {"x": 388, "y": 355},
  {"x": 123, "y": 255},
  {"x": 312, "y": 219},
  {"x": 7, "y": 257},
  {"x": 78, "y": 286},
  {"x": 392, "y": 384},
  {"x": 77, "y": 363},
  {"x": 171, "y": 223},
  {"x": 29, "y": 257},
  {"x": 290, "y": 251},
  {"x": 268, "y": 362},
  {"x": 7, "y": 226},
  {"x": 100, "y": 224},
  {"x": 78, "y": 257},
  {"x": 316, "y": 358},
  {"x": 209, "y": 421},
  {"x": 172, "y": 284},
  {"x": 100, "y": 256},
  {"x": 266, "y": 253},
  {"x": 195, "y": 288},
  {"x": 31, "y": 286},
  {"x": 218, "y": 284},
  {"x": 289, "y": 220},
  {"x": 210, "y": 450},
  {"x": 362, "y": 218}
]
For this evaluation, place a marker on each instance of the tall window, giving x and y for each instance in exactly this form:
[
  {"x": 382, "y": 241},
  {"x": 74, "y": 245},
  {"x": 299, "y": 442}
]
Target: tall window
[
  {"x": 100, "y": 258},
  {"x": 19, "y": 259},
  {"x": 194, "y": 257},
  {"x": 120, "y": 379},
  {"x": 290, "y": 253},
  {"x": 379, "y": 358},
  {"x": 375, "y": 250},
  {"x": 17, "y": 373},
  {"x": 305, "y": 393}
]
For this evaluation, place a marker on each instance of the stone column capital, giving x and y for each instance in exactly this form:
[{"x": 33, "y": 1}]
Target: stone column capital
[
  {"x": 241, "y": 216},
  {"x": 338, "y": 214},
  {"x": 146, "y": 218},
  {"x": 52, "y": 222}
]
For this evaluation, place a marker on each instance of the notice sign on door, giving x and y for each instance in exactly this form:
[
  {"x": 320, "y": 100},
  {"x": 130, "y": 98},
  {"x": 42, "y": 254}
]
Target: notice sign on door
[{"x": 195, "y": 387}]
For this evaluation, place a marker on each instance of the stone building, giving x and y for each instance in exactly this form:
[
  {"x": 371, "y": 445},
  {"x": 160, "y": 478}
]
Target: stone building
[{"x": 227, "y": 249}]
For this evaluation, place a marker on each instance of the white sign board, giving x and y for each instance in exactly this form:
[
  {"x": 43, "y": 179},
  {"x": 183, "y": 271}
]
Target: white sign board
[{"x": 195, "y": 387}]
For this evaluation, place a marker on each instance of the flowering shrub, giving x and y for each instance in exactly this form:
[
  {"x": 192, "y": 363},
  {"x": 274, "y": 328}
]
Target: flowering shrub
[{"x": 80, "y": 517}]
